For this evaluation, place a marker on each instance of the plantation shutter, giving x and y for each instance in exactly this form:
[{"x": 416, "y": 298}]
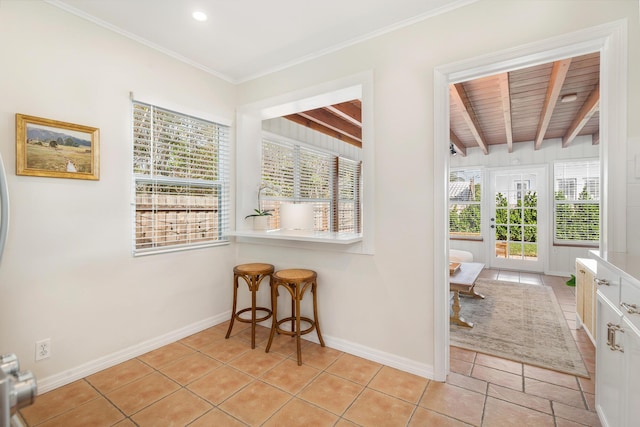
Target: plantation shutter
[
  {"x": 301, "y": 174},
  {"x": 349, "y": 179},
  {"x": 577, "y": 202},
  {"x": 180, "y": 167}
]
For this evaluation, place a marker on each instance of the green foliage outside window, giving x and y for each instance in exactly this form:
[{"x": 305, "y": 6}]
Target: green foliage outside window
[
  {"x": 464, "y": 218},
  {"x": 577, "y": 221}
]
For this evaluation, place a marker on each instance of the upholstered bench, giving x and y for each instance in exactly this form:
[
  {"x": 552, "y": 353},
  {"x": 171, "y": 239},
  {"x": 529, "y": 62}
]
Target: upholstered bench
[{"x": 456, "y": 255}]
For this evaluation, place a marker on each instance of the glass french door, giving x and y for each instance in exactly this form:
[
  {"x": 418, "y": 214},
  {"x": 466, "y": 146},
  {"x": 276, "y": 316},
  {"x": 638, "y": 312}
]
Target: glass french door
[{"x": 518, "y": 223}]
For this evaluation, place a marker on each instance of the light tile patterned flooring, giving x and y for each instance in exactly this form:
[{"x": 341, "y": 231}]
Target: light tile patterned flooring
[{"x": 207, "y": 380}]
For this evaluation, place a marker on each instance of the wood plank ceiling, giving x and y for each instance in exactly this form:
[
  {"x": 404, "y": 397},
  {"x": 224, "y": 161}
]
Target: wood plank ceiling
[
  {"x": 341, "y": 121},
  {"x": 546, "y": 104}
]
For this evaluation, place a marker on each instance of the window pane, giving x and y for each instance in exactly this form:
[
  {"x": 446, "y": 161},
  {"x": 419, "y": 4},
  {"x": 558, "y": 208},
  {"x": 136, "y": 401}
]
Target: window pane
[
  {"x": 304, "y": 175},
  {"x": 577, "y": 201},
  {"x": 465, "y": 195},
  {"x": 180, "y": 166}
]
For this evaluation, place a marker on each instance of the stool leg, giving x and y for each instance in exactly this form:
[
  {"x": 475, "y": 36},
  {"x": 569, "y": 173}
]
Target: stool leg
[
  {"x": 297, "y": 317},
  {"x": 315, "y": 314},
  {"x": 293, "y": 315},
  {"x": 235, "y": 301},
  {"x": 254, "y": 285},
  {"x": 274, "y": 312}
]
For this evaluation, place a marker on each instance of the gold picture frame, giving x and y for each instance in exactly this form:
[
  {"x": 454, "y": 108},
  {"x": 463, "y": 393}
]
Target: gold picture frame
[{"x": 51, "y": 148}]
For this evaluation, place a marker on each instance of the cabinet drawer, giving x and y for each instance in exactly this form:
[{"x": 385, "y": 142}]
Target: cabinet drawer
[
  {"x": 630, "y": 301},
  {"x": 608, "y": 283}
]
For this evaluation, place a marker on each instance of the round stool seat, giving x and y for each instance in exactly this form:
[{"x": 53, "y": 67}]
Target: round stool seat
[
  {"x": 252, "y": 274},
  {"x": 295, "y": 275},
  {"x": 296, "y": 281},
  {"x": 253, "y": 268}
]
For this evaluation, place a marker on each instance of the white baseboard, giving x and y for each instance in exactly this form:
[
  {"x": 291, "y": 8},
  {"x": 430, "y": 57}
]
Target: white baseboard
[
  {"x": 391, "y": 360},
  {"x": 89, "y": 368}
]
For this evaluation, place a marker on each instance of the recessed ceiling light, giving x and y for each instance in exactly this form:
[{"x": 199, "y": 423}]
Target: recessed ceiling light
[
  {"x": 570, "y": 97},
  {"x": 199, "y": 16}
]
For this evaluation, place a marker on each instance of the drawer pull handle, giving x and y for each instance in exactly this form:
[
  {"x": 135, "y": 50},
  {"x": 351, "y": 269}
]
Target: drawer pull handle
[
  {"x": 611, "y": 337},
  {"x": 631, "y": 308},
  {"x": 603, "y": 282}
]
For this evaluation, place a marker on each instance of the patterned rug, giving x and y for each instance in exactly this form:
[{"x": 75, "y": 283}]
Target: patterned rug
[{"x": 518, "y": 322}]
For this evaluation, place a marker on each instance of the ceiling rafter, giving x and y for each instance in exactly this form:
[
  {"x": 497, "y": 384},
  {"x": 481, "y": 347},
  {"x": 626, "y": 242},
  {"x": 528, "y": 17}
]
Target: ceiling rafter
[
  {"x": 558, "y": 75},
  {"x": 503, "y": 81},
  {"x": 590, "y": 106},
  {"x": 459, "y": 96},
  {"x": 595, "y": 138},
  {"x": 315, "y": 125},
  {"x": 350, "y": 111},
  {"x": 460, "y": 148}
]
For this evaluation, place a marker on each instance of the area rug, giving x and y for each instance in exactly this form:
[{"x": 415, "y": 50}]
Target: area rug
[{"x": 518, "y": 322}]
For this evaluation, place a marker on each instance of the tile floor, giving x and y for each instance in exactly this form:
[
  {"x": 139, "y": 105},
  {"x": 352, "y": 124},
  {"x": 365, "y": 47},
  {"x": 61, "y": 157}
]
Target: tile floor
[{"x": 207, "y": 380}]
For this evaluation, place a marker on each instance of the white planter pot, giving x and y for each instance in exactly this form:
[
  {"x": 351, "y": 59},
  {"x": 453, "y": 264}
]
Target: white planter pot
[{"x": 261, "y": 222}]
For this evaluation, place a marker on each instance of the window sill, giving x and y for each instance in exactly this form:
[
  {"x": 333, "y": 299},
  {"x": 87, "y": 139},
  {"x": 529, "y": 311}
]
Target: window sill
[{"x": 301, "y": 236}]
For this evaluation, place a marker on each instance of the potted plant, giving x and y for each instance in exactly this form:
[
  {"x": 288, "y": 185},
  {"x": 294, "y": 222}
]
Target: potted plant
[
  {"x": 260, "y": 219},
  {"x": 260, "y": 216}
]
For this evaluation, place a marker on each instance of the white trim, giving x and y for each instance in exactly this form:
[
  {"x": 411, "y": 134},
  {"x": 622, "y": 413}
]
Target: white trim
[
  {"x": 89, "y": 368},
  {"x": 97, "y": 365},
  {"x": 249, "y": 137},
  {"x": 388, "y": 359},
  {"x": 64, "y": 6},
  {"x": 413, "y": 20},
  {"x": 611, "y": 40}
]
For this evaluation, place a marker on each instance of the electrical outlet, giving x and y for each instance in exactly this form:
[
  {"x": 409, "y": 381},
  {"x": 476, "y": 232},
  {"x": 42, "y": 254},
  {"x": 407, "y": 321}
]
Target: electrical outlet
[{"x": 43, "y": 349}]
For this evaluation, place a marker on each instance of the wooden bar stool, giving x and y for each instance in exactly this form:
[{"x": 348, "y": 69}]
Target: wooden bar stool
[
  {"x": 296, "y": 281},
  {"x": 253, "y": 274}
]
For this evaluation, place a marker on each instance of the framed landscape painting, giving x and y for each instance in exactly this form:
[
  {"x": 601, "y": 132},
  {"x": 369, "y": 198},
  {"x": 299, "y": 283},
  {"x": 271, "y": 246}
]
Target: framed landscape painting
[{"x": 56, "y": 149}]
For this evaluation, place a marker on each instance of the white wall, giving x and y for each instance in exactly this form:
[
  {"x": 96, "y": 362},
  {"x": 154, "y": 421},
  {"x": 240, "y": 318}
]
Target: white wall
[
  {"x": 560, "y": 259},
  {"x": 68, "y": 273},
  {"x": 385, "y": 301}
]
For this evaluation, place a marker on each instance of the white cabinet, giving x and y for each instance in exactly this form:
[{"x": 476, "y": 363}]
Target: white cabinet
[
  {"x": 618, "y": 340},
  {"x": 609, "y": 369}
]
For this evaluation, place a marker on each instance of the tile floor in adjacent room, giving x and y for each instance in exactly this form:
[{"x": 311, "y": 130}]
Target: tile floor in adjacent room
[{"x": 207, "y": 380}]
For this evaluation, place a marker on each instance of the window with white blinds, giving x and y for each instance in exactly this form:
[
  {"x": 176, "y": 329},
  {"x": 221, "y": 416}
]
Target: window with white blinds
[
  {"x": 577, "y": 202},
  {"x": 181, "y": 172},
  {"x": 300, "y": 174},
  {"x": 465, "y": 198}
]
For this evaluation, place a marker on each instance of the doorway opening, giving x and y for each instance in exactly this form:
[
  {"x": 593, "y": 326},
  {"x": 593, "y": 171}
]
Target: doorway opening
[{"x": 610, "y": 41}]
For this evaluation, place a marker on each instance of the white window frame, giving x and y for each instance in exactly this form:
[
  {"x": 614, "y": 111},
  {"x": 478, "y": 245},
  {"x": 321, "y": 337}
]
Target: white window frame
[
  {"x": 594, "y": 165},
  {"x": 193, "y": 198},
  {"x": 248, "y": 133},
  {"x": 481, "y": 173}
]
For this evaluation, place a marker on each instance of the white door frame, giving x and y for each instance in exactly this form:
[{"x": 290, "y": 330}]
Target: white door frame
[{"x": 608, "y": 39}]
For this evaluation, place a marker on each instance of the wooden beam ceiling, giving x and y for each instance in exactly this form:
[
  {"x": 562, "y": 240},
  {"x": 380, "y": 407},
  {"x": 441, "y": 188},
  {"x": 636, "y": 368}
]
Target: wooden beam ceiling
[
  {"x": 587, "y": 110},
  {"x": 558, "y": 74},
  {"x": 505, "y": 98},
  {"x": 459, "y": 96},
  {"x": 342, "y": 121},
  {"x": 556, "y": 102},
  {"x": 460, "y": 148}
]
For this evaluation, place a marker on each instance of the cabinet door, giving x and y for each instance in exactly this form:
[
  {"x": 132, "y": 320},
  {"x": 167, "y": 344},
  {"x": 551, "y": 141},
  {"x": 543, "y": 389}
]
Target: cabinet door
[
  {"x": 632, "y": 370},
  {"x": 589, "y": 318},
  {"x": 609, "y": 366},
  {"x": 630, "y": 301},
  {"x": 608, "y": 283}
]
